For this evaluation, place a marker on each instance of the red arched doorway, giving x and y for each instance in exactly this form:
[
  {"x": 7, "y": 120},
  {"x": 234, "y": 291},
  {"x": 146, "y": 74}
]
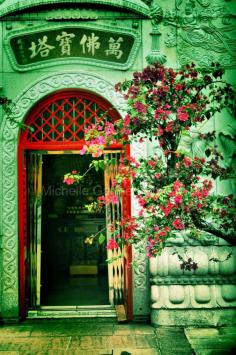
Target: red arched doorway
[{"x": 56, "y": 269}]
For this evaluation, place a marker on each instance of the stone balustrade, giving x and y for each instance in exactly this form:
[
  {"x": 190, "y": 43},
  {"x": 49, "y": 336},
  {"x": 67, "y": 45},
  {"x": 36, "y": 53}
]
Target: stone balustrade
[{"x": 212, "y": 286}]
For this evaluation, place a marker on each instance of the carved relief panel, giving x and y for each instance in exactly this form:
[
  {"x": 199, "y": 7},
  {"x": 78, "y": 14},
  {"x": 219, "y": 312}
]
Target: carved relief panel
[{"x": 202, "y": 31}]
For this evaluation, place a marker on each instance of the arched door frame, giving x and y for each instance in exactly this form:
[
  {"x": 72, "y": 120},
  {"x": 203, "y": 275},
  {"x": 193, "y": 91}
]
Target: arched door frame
[
  {"x": 46, "y": 85},
  {"x": 66, "y": 101}
]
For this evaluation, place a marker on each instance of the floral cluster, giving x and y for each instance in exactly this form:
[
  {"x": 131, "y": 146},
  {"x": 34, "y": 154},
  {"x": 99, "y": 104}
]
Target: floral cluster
[
  {"x": 72, "y": 178},
  {"x": 175, "y": 191}
]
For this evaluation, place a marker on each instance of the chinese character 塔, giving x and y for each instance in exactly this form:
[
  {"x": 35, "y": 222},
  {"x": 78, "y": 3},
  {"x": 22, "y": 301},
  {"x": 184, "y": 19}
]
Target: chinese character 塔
[{"x": 41, "y": 48}]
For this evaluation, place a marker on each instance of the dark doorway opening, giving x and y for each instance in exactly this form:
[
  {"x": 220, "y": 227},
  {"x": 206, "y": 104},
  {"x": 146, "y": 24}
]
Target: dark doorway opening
[{"x": 73, "y": 273}]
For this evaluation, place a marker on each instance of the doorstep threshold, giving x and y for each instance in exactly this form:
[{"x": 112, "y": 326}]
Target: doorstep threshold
[{"x": 72, "y": 312}]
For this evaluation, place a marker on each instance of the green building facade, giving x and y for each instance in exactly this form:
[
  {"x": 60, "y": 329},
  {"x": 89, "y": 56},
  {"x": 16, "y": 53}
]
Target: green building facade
[{"x": 50, "y": 47}]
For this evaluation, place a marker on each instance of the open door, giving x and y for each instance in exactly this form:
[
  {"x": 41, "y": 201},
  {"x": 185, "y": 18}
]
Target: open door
[
  {"x": 119, "y": 272},
  {"x": 58, "y": 125},
  {"x": 34, "y": 199}
]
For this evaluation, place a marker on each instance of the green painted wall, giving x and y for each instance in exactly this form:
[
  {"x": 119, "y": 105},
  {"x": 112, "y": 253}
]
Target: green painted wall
[{"x": 173, "y": 32}]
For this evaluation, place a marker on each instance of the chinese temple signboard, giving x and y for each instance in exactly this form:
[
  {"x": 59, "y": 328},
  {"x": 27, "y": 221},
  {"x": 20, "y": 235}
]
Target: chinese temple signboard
[{"x": 116, "y": 48}]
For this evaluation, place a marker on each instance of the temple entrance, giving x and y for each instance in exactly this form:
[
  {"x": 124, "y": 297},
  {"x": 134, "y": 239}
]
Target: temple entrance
[
  {"x": 73, "y": 271},
  {"x": 60, "y": 268}
]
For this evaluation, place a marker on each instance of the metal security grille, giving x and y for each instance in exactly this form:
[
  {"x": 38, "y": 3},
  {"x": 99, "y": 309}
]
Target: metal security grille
[{"x": 64, "y": 117}]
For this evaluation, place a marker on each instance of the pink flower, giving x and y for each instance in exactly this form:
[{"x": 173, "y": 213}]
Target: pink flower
[
  {"x": 111, "y": 245},
  {"x": 112, "y": 198},
  {"x": 169, "y": 127},
  {"x": 187, "y": 162},
  {"x": 177, "y": 224},
  {"x": 97, "y": 153},
  {"x": 182, "y": 116},
  {"x": 178, "y": 199},
  {"x": 157, "y": 175},
  {"x": 178, "y": 87},
  {"x": 83, "y": 150},
  {"x": 126, "y": 120},
  {"x": 141, "y": 201},
  {"x": 166, "y": 210},
  {"x": 101, "y": 140},
  {"x": 199, "y": 205},
  {"x": 140, "y": 107},
  {"x": 151, "y": 163},
  {"x": 69, "y": 181}
]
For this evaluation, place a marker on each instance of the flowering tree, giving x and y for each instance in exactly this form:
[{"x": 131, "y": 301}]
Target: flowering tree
[{"x": 174, "y": 188}]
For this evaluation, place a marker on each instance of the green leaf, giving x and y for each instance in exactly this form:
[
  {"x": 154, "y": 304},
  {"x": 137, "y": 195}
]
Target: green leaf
[{"x": 101, "y": 238}]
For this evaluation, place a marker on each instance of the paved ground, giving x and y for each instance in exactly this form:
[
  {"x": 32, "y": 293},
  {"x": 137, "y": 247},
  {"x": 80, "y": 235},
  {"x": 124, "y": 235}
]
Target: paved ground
[{"x": 106, "y": 337}]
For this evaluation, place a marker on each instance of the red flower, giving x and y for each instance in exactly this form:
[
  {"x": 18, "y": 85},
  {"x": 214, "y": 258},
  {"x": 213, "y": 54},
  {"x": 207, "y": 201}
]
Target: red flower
[
  {"x": 178, "y": 199},
  {"x": 152, "y": 163},
  {"x": 187, "y": 162},
  {"x": 69, "y": 181},
  {"x": 140, "y": 107},
  {"x": 182, "y": 116},
  {"x": 169, "y": 127},
  {"x": 111, "y": 245},
  {"x": 177, "y": 224}
]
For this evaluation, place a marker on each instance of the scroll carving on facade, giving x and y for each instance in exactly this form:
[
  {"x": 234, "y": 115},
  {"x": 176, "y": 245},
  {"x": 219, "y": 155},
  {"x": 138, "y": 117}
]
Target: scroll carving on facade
[{"x": 203, "y": 31}]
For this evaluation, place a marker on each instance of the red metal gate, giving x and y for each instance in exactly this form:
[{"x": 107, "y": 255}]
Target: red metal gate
[{"x": 58, "y": 123}]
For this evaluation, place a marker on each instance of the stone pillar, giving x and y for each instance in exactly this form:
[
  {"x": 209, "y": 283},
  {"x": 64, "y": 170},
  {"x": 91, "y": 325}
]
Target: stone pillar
[
  {"x": 202, "y": 297},
  {"x": 140, "y": 276}
]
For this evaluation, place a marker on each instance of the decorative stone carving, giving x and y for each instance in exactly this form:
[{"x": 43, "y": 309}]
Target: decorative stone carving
[
  {"x": 212, "y": 285},
  {"x": 156, "y": 56},
  {"x": 156, "y": 14},
  {"x": 147, "y": 2},
  {"x": 204, "y": 32},
  {"x": 130, "y": 5},
  {"x": 72, "y": 14},
  {"x": 193, "y": 297}
]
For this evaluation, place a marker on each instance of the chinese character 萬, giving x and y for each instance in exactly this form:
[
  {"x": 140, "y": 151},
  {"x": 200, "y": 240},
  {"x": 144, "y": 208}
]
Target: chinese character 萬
[
  {"x": 91, "y": 43},
  {"x": 65, "y": 41},
  {"x": 41, "y": 48},
  {"x": 114, "y": 47}
]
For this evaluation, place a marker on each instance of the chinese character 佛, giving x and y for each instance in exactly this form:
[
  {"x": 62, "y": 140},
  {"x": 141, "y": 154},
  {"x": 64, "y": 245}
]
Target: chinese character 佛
[
  {"x": 41, "y": 48},
  {"x": 114, "y": 47},
  {"x": 91, "y": 43},
  {"x": 65, "y": 42}
]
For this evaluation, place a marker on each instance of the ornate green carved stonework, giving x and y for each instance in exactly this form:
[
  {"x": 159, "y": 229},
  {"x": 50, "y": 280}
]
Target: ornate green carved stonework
[
  {"x": 212, "y": 287},
  {"x": 10, "y": 6},
  {"x": 202, "y": 31}
]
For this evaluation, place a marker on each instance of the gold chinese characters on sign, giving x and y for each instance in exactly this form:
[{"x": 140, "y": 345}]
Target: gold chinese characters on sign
[{"x": 78, "y": 42}]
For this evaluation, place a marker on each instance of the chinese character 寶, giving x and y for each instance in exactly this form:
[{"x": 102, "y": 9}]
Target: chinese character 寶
[
  {"x": 65, "y": 41},
  {"x": 114, "y": 48},
  {"x": 41, "y": 48},
  {"x": 91, "y": 43}
]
